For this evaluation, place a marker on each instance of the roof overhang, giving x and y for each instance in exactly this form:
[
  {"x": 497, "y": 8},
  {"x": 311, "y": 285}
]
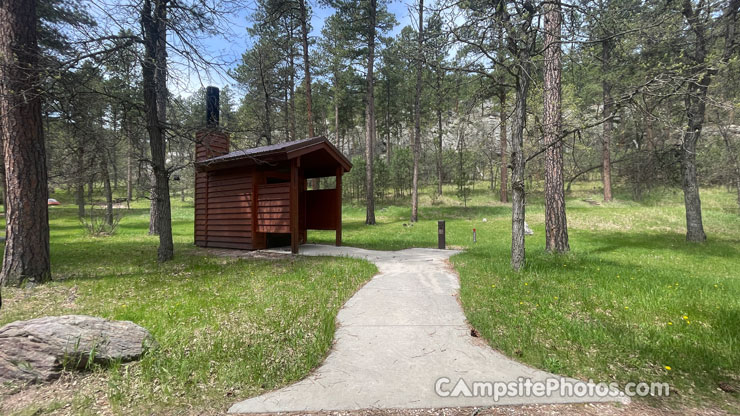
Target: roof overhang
[{"x": 318, "y": 156}]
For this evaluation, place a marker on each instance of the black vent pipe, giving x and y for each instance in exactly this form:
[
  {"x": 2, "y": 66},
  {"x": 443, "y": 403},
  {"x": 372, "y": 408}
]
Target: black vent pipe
[{"x": 212, "y": 108}]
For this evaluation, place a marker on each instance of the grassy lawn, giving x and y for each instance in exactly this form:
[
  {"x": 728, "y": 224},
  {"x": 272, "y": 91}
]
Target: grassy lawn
[
  {"x": 631, "y": 302},
  {"x": 227, "y": 328}
]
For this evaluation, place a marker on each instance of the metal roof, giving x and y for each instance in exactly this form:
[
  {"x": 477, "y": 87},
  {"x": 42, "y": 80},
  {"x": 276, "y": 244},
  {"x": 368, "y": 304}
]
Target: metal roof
[{"x": 287, "y": 149}]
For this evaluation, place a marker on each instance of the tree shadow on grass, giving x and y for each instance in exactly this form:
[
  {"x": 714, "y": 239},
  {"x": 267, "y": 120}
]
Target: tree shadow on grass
[
  {"x": 701, "y": 354},
  {"x": 470, "y": 212},
  {"x": 87, "y": 260},
  {"x": 591, "y": 253},
  {"x": 642, "y": 356},
  {"x": 97, "y": 257},
  {"x": 615, "y": 241},
  {"x": 696, "y": 360}
]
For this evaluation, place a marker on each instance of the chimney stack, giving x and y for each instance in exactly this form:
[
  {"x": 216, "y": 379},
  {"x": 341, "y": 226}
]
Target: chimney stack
[
  {"x": 211, "y": 141},
  {"x": 212, "y": 107}
]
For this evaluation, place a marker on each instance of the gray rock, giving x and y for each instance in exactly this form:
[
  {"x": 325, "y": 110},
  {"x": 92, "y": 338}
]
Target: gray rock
[
  {"x": 39, "y": 349},
  {"x": 527, "y": 230}
]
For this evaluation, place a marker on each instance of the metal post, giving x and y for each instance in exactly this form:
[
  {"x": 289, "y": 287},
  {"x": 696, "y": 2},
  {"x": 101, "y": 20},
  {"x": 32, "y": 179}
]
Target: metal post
[
  {"x": 441, "y": 235},
  {"x": 475, "y": 237}
]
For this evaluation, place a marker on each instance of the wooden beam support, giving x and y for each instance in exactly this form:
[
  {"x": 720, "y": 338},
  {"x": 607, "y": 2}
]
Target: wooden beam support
[
  {"x": 302, "y": 208},
  {"x": 294, "y": 206},
  {"x": 338, "y": 189},
  {"x": 257, "y": 238}
]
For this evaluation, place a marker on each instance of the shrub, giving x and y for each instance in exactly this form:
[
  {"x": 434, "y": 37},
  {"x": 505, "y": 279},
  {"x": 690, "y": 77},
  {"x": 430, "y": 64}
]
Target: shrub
[{"x": 100, "y": 222}]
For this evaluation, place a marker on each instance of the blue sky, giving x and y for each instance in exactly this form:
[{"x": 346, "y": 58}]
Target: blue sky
[{"x": 229, "y": 47}]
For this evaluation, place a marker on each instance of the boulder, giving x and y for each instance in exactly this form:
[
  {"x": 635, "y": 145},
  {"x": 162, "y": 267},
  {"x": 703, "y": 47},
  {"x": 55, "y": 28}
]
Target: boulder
[{"x": 38, "y": 350}]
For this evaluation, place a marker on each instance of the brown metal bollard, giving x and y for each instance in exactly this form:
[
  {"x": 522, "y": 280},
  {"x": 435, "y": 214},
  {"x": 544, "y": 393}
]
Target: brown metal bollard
[{"x": 441, "y": 235}]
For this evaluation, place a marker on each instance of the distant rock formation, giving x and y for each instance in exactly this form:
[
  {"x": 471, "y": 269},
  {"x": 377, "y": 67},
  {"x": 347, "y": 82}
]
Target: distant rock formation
[{"x": 527, "y": 230}]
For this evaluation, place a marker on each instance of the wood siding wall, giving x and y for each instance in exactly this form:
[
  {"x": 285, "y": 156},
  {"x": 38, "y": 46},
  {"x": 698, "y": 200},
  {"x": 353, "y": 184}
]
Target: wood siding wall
[
  {"x": 222, "y": 198},
  {"x": 321, "y": 209},
  {"x": 236, "y": 208},
  {"x": 273, "y": 208},
  {"x": 223, "y": 206}
]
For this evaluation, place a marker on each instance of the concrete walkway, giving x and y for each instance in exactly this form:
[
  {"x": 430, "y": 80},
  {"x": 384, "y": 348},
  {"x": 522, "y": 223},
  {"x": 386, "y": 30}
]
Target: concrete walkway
[{"x": 396, "y": 337}]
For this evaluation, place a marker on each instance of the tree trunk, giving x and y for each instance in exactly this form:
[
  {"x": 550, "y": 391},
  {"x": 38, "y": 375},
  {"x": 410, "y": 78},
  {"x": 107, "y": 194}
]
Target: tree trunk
[
  {"x": 291, "y": 88},
  {"x": 267, "y": 128},
  {"x": 649, "y": 133},
  {"x": 556, "y": 225},
  {"x": 417, "y": 117},
  {"x": 606, "y": 137},
  {"x": 336, "y": 117},
  {"x": 107, "y": 190},
  {"x": 154, "y": 127},
  {"x": 692, "y": 201},
  {"x": 267, "y": 125},
  {"x": 696, "y": 94},
  {"x": 695, "y": 103},
  {"x": 154, "y": 208},
  {"x": 160, "y": 79},
  {"x": 114, "y": 166},
  {"x": 518, "y": 164},
  {"x": 130, "y": 172},
  {"x": 26, "y": 256},
  {"x": 80, "y": 180},
  {"x": 2, "y": 175},
  {"x": 306, "y": 66},
  {"x": 286, "y": 113},
  {"x": 160, "y": 72},
  {"x": 439, "y": 131},
  {"x": 370, "y": 117},
  {"x": 504, "y": 155},
  {"x": 389, "y": 145},
  {"x": 113, "y": 162},
  {"x": 492, "y": 173},
  {"x": 315, "y": 182},
  {"x": 461, "y": 184}
]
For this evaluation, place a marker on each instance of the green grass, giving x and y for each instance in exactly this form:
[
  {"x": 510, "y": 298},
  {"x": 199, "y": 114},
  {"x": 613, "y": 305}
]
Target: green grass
[
  {"x": 611, "y": 310},
  {"x": 227, "y": 328},
  {"x": 631, "y": 298}
]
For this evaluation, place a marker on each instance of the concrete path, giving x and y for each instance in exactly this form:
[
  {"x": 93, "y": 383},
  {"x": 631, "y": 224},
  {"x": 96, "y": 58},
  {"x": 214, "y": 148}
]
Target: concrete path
[{"x": 396, "y": 337}]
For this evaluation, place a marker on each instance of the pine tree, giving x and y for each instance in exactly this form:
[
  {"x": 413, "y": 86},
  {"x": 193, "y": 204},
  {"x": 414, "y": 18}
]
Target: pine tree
[
  {"x": 556, "y": 225},
  {"x": 26, "y": 255},
  {"x": 417, "y": 115}
]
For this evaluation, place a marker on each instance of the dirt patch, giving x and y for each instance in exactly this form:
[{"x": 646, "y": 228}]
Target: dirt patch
[
  {"x": 241, "y": 254},
  {"x": 75, "y": 394},
  {"x": 581, "y": 409},
  {"x": 71, "y": 394}
]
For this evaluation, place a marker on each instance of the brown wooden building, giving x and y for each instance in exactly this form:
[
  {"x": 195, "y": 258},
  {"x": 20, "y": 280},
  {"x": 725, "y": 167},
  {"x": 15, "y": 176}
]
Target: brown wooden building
[{"x": 258, "y": 198}]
